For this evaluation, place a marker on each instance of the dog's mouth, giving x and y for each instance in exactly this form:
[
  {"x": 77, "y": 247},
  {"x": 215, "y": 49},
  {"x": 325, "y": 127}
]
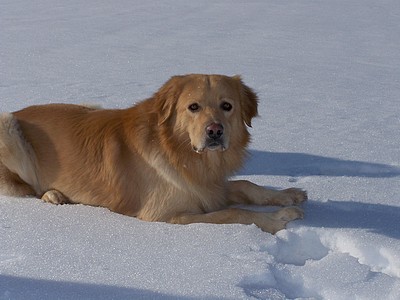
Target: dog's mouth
[{"x": 211, "y": 145}]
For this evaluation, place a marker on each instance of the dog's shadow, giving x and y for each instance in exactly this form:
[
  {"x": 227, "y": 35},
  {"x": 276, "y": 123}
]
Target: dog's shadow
[
  {"x": 378, "y": 218},
  {"x": 300, "y": 164}
]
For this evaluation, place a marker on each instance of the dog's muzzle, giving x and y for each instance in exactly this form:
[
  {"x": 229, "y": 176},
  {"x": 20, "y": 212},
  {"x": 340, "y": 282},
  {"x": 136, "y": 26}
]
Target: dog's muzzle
[{"x": 214, "y": 138}]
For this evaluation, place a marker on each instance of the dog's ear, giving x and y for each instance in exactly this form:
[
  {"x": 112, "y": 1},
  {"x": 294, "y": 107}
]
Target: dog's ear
[
  {"x": 248, "y": 101},
  {"x": 166, "y": 98}
]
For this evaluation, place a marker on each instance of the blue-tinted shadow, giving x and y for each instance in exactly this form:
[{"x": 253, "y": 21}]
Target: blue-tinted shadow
[
  {"x": 377, "y": 218},
  {"x": 300, "y": 164},
  {"x": 12, "y": 287}
]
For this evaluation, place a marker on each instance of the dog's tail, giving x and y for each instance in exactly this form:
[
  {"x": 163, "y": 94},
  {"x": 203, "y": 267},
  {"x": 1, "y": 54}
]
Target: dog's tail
[{"x": 16, "y": 154}]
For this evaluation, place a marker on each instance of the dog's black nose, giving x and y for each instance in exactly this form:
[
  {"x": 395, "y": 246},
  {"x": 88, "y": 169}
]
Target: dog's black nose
[{"x": 215, "y": 130}]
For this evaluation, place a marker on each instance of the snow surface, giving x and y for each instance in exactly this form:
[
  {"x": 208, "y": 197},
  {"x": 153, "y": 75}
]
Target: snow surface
[{"x": 327, "y": 73}]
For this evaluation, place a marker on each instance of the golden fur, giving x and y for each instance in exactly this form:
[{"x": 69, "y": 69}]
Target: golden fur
[{"x": 165, "y": 159}]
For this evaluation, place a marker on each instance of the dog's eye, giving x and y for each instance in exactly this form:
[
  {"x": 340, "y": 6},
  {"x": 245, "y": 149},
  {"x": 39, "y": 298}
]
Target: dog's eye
[
  {"x": 226, "y": 106},
  {"x": 194, "y": 107}
]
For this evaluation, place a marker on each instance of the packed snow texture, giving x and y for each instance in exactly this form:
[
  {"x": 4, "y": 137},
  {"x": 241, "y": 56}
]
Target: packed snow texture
[{"x": 328, "y": 77}]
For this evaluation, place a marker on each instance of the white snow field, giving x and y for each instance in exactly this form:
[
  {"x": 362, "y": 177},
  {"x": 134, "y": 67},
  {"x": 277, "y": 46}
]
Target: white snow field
[{"x": 328, "y": 77}]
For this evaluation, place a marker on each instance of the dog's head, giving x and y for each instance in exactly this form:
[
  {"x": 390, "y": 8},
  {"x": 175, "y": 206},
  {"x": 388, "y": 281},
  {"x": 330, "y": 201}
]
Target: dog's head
[{"x": 211, "y": 110}]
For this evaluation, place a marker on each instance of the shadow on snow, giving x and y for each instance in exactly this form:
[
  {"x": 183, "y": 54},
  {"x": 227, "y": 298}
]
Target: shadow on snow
[
  {"x": 12, "y": 287},
  {"x": 300, "y": 164},
  {"x": 377, "y": 218}
]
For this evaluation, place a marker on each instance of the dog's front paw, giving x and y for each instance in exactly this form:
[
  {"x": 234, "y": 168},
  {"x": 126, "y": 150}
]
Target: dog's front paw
[
  {"x": 288, "y": 214},
  {"x": 55, "y": 197},
  {"x": 288, "y": 197},
  {"x": 294, "y": 196},
  {"x": 273, "y": 222}
]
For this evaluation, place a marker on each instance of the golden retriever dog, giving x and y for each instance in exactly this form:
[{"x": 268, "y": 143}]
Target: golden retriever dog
[{"x": 165, "y": 159}]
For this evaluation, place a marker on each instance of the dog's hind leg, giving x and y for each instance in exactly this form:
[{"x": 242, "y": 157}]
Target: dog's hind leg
[
  {"x": 12, "y": 185},
  {"x": 18, "y": 168}
]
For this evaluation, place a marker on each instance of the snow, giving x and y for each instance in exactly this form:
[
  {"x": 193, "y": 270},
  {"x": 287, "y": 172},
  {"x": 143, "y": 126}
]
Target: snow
[{"x": 328, "y": 76}]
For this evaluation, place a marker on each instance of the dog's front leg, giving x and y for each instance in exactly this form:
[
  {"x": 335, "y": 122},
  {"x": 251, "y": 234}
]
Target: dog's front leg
[
  {"x": 268, "y": 221},
  {"x": 246, "y": 192}
]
